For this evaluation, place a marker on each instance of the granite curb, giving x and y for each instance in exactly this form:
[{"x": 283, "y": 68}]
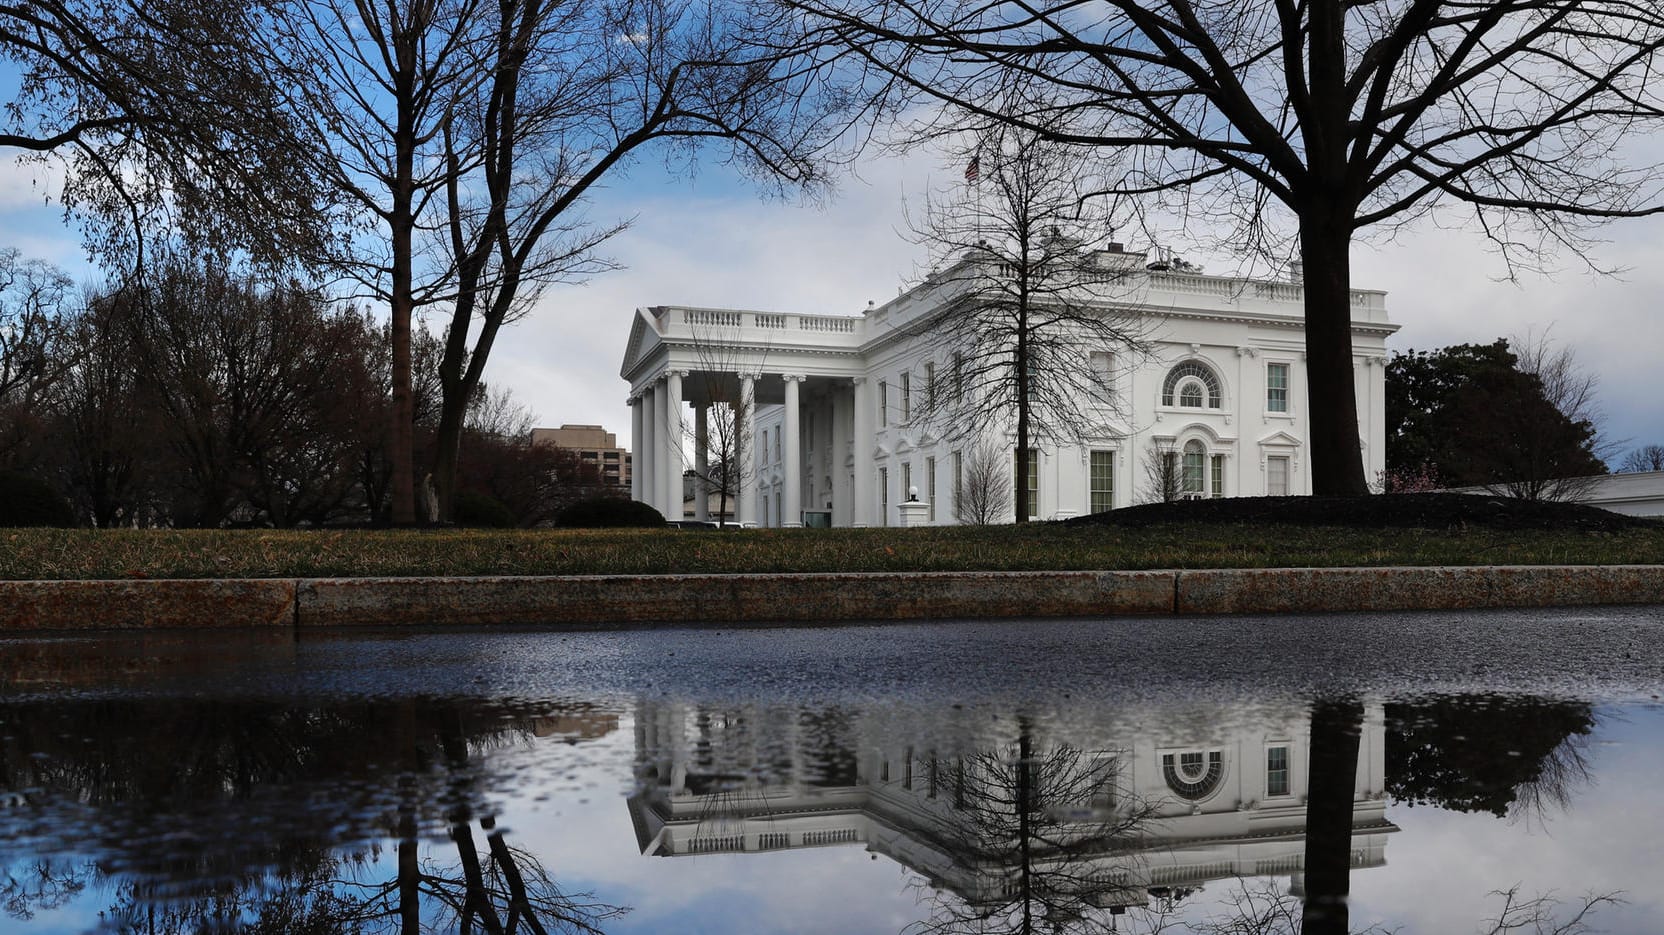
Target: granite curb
[{"x": 618, "y": 600}]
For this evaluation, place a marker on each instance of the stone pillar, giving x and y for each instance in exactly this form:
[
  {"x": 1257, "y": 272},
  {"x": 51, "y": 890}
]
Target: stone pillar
[
  {"x": 911, "y": 512},
  {"x": 745, "y": 451},
  {"x": 672, "y": 447},
  {"x": 701, "y": 461},
  {"x": 843, "y": 500},
  {"x": 635, "y": 447},
  {"x": 647, "y": 457},
  {"x": 863, "y": 496},
  {"x": 791, "y": 509}
]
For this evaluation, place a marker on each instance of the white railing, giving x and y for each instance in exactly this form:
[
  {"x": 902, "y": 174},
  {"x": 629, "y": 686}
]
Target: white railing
[
  {"x": 1223, "y": 288},
  {"x": 826, "y": 323},
  {"x": 767, "y": 320},
  {"x": 709, "y": 316}
]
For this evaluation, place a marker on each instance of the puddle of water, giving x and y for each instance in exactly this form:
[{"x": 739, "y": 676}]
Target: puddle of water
[{"x": 436, "y": 782}]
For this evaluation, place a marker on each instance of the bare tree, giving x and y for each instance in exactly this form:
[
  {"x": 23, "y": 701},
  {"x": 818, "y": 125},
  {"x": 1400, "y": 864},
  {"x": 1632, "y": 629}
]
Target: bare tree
[
  {"x": 1024, "y": 293},
  {"x": 1163, "y": 475},
  {"x": 1295, "y": 127},
  {"x": 164, "y": 124},
  {"x": 1537, "y": 469},
  {"x": 33, "y": 308},
  {"x": 1644, "y": 458},
  {"x": 1040, "y": 836},
  {"x": 983, "y": 493},
  {"x": 730, "y": 464},
  {"x": 576, "y": 91}
]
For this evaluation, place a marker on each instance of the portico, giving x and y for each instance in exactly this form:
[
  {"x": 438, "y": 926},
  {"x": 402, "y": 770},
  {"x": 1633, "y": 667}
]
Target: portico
[{"x": 726, "y": 366}]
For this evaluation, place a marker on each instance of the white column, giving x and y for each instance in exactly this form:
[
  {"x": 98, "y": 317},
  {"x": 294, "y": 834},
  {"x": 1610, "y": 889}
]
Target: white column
[
  {"x": 864, "y": 506},
  {"x": 653, "y": 458},
  {"x": 745, "y": 450},
  {"x": 701, "y": 461},
  {"x": 672, "y": 446},
  {"x": 791, "y": 512},
  {"x": 635, "y": 446},
  {"x": 843, "y": 501}
]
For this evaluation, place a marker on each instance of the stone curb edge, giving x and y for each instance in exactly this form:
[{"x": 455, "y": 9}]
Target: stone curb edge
[{"x": 612, "y": 600}]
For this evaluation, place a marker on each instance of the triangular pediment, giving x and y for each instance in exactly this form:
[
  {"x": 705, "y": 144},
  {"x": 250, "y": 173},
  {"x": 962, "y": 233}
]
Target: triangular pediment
[
  {"x": 644, "y": 338},
  {"x": 1281, "y": 438}
]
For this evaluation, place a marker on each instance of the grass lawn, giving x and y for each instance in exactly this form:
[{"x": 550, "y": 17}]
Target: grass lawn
[{"x": 80, "y": 553}]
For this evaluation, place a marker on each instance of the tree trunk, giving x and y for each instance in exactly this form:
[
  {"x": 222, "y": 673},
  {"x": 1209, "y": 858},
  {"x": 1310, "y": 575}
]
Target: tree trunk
[
  {"x": 447, "y": 452},
  {"x": 1336, "y": 725},
  {"x": 1019, "y": 470},
  {"x": 1331, "y": 397}
]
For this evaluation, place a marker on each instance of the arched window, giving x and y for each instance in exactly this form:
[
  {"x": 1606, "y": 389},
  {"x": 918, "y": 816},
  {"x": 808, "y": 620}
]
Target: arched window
[
  {"x": 1193, "y": 775},
  {"x": 1194, "y": 385},
  {"x": 1195, "y": 460}
]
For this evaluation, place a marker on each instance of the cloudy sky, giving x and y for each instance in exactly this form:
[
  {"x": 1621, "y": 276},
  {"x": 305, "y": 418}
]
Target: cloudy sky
[{"x": 713, "y": 240}]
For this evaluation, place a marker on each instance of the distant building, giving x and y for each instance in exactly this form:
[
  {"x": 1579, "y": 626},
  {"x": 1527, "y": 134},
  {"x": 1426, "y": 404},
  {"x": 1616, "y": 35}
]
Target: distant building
[
  {"x": 1633, "y": 494},
  {"x": 594, "y": 446}
]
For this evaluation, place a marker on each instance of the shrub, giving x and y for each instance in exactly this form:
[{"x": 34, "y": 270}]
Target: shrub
[
  {"x": 598, "y": 512},
  {"x": 30, "y": 501},
  {"x": 483, "y": 510}
]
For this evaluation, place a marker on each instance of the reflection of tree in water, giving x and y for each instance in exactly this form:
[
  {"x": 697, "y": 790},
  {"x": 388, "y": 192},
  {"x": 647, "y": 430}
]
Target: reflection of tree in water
[
  {"x": 1487, "y": 753},
  {"x": 1465, "y": 753},
  {"x": 1038, "y": 829},
  {"x": 284, "y": 787}
]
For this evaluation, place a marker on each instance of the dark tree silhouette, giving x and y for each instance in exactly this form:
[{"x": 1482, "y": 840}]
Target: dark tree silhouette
[
  {"x": 1473, "y": 416},
  {"x": 1487, "y": 754}
]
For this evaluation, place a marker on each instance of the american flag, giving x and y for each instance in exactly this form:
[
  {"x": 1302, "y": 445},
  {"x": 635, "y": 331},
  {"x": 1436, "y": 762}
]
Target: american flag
[{"x": 974, "y": 170}]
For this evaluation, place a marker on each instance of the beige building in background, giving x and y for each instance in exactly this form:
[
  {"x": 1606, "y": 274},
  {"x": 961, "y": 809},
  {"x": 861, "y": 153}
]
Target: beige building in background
[{"x": 595, "y": 446}]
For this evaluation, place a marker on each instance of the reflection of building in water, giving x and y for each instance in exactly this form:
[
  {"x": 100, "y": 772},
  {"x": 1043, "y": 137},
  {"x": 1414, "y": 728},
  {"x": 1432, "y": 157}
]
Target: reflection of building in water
[{"x": 1157, "y": 809}]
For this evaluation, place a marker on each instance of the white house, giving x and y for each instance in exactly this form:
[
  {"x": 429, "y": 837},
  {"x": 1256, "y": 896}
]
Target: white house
[
  {"x": 1217, "y": 795},
  {"x": 838, "y": 437}
]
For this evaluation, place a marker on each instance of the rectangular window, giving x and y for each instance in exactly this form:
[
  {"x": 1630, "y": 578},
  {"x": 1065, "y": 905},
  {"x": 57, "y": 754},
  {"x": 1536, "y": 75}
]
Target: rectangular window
[
  {"x": 1276, "y": 477},
  {"x": 1276, "y": 387},
  {"x": 930, "y": 488},
  {"x": 883, "y": 403},
  {"x": 1033, "y": 483},
  {"x": 1276, "y": 771},
  {"x": 930, "y": 385},
  {"x": 883, "y": 496},
  {"x": 779, "y": 508},
  {"x": 1216, "y": 476},
  {"x": 809, "y": 430},
  {"x": 762, "y": 446},
  {"x": 777, "y": 443},
  {"x": 906, "y": 396},
  {"x": 958, "y": 480},
  {"x": 1103, "y": 481},
  {"x": 958, "y": 377},
  {"x": 1106, "y": 774},
  {"x": 1102, "y": 366},
  {"x": 906, "y": 480}
]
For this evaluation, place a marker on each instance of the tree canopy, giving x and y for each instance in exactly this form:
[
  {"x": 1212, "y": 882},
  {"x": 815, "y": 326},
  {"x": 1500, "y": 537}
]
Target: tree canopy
[{"x": 1468, "y": 415}]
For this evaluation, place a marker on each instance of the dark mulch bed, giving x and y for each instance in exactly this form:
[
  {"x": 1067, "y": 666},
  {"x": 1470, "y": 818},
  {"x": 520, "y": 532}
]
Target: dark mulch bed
[{"x": 1403, "y": 510}]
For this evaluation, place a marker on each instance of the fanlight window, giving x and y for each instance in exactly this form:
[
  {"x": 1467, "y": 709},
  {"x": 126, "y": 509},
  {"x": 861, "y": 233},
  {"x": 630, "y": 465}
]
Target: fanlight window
[
  {"x": 1193, "y": 385},
  {"x": 1193, "y": 775}
]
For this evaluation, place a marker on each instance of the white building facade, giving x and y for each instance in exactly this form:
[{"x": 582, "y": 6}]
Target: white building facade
[{"x": 833, "y": 426}]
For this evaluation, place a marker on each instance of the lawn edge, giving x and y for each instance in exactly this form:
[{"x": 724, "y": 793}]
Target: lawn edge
[{"x": 589, "y": 601}]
